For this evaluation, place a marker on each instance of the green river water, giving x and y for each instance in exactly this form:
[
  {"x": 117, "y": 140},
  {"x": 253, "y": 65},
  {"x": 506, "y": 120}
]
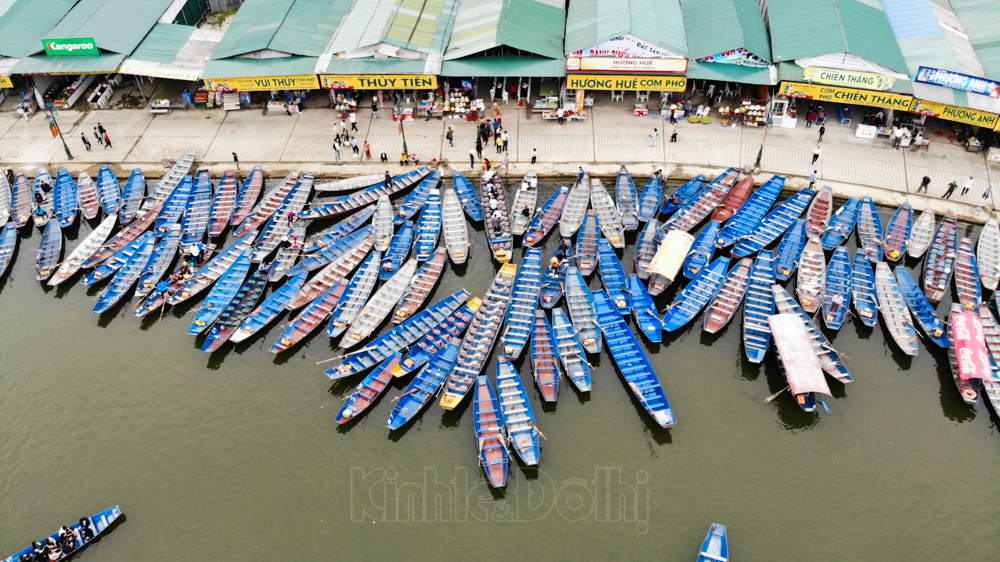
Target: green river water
[{"x": 236, "y": 455}]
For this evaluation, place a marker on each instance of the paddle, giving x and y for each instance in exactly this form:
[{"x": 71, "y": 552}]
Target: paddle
[
  {"x": 369, "y": 348},
  {"x": 771, "y": 398},
  {"x": 822, "y": 401},
  {"x": 535, "y": 427}
]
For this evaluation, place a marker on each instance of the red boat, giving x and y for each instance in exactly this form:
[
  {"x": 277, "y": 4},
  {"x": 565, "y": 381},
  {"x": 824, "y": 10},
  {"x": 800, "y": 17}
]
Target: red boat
[
  {"x": 721, "y": 310},
  {"x": 820, "y": 210},
  {"x": 733, "y": 200}
]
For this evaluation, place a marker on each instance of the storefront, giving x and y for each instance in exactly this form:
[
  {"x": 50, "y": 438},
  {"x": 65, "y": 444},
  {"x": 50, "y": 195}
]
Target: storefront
[
  {"x": 869, "y": 111},
  {"x": 234, "y": 93},
  {"x": 348, "y": 90}
]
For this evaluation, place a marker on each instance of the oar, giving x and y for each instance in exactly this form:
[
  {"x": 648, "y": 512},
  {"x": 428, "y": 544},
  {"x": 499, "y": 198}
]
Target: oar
[
  {"x": 823, "y": 402},
  {"x": 535, "y": 427},
  {"x": 405, "y": 393},
  {"x": 771, "y": 398},
  {"x": 369, "y": 348}
]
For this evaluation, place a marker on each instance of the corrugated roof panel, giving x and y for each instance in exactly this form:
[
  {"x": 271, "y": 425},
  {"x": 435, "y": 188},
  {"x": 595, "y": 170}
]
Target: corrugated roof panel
[
  {"x": 532, "y": 26},
  {"x": 660, "y": 22},
  {"x": 244, "y": 68},
  {"x": 869, "y": 35},
  {"x": 162, "y": 43},
  {"x": 6, "y": 5},
  {"x": 475, "y": 28},
  {"x": 69, "y": 65},
  {"x": 26, "y": 22},
  {"x": 255, "y": 24},
  {"x": 309, "y": 25},
  {"x": 981, "y": 20},
  {"x": 717, "y": 26},
  {"x": 511, "y": 66},
  {"x": 116, "y": 25}
]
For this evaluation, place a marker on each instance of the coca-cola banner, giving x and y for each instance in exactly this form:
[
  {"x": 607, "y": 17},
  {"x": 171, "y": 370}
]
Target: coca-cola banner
[{"x": 970, "y": 346}]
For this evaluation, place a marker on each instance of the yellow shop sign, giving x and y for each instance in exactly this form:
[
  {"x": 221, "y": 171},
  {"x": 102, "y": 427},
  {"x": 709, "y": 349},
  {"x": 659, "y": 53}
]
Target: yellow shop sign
[
  {"x": 379, "y": 81},
  {"x": 849, "y": 78},
  {"x": 953, "y": 113},
  {"x": 263, "y": 83},
  {"x": 5, "y": 82},
  {"x": 845, "y": 95},
  {"x": 611, "y": 82}
]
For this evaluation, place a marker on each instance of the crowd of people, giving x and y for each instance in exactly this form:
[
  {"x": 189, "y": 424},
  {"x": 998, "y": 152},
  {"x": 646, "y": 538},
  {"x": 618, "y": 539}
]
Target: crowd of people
[{"x": 69, "y": 540}]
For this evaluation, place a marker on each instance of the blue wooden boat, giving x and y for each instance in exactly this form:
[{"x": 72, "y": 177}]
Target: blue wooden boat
[
  {"x": 49, "y": 249},
  {"x": 174, "y": 206},
  {"x": 420, "y": 286},
  {"x": 897, "y": 233},
  {"x": 439, "y": 337},
  {"x": 939, "y": 265},
  {"x": 428, "y": 227},
  {"x": 417, "y": 197},
  {"x": 237, "y": 310},
  {"x": 774, "y": 224},
  {"x": 729, "y": 297},
  {"x": 758, "y": 305},
  {"x": 716, "y": 545},
  {"x": 895, "y": 313},
  {"x": 109, "y": 190},
  {"x": 222, "y": 293},
  {"x": 683, "y": 194},
  {"x": 870, "y": 230},
  {"x": 790, "y": 250},
  {"x": 695, "y": 295},
  {"x": 649, "y": 201},
  {"x": 645, "y": 248},
  {"x": 132, "y": 196},
  {"x": 270, "y": 308},
  {"x": 627, "y": 200},
  {"x": 47, "y": 205},
  {"x": 400, "y": 337},
  {"x": 358, "y": 291},
  {"x": 369, "y": 389},
  {"x": 362, "y": 198},
  {"x": 524, "y": 301},
  {"x": 66, "y": 199},
  {"x": 424, "y": 386},
  {"x": 571, "y": 353},
  {"x": 968, "y": 285},
  {"x": 477, "y": 345},
  {"x": 126, "y": 276},
  {"x": 159, "y": 262},
  {"x": 841, "y": 224},
  {"x": 829, "y": 359},
  {"x": 491, "y": 439},
  {"x": 544, "y": 358},
  {"x": 223, "y": 204},
  {"x": 632, "y": 361},
  {"x": 863, "y": 290},
  {"x": 247, "y": 194},
  {"x": 279, "y": 227},
  {"x": 517, "y": 414},
  {"x": 580, "y": 302},
  {"x": 467, "y": 195},
  {"x": 921, "y": 309},
  {"x": 398, "y": 251},
  {"x": 702, "y": 250},
  {"x": 314, "y": 314},
  {"x": 22, "y": 200},
  {"x": 344, "y": 227},
  {"x": 837, "y": 296},
  {"x": 123, "y": 237},
  {"x": 96, "y": 525},
  {"x": 272, "y": 200},
  {"x": 587, "y": 240},
  {"x": 284, "y": 259},
  {"x": 115, "y": 262},
  {"x": 8, "y": 243},
  {"x": 332, "y": 252},
  {"x": 199, "y": 202},
  {"x": 644, "y": 311},
  {"x": 554, "y": 280},
  {"x": 751, "y": 213},
  {"x": 613, "y": 277},
  {"x": 705, "y": 203},
  {"x": 498, "y": 231},
  {"x": 547, "y": 218}
]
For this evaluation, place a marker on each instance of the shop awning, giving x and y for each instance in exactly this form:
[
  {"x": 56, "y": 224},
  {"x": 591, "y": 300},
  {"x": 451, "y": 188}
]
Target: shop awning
[
  {"x": 245, "y": 67},
  {"x": 173, "y": 51},
  {"x": 660, "y": 22},
  {"x": 731, "y": 73},
  {"x": 86, "y": 64},
  {"x": 296, "y": 27},
  {"x": 719, "y": 26},
  {"x": 505, "y": 66},
  {"x": 535, "y": 26}
]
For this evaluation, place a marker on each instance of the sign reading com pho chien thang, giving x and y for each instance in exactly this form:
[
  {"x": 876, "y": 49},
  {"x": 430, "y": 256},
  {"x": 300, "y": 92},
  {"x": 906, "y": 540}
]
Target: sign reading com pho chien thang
[
  {"x": 605, "y": 82},
  {"x": 845, "y": 95},
  {"x": 70, "y": 47}
]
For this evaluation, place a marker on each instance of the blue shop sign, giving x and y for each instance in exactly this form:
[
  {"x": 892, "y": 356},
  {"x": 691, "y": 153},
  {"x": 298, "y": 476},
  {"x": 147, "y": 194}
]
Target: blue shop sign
[{"x": 958, "y": 81}]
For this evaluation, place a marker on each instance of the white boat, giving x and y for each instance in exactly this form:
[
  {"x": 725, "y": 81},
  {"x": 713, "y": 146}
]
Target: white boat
[
  {"x": 379, "y": 306},
  {"x": 607, "y": 214},
  {"x": 84, "y": 250},
  {"x": 170, "y": 180},
  {"x": 278, "y": 228},
  {"x": 525, "y": 198},
  {"x": 988, "y": 254},
  {"x": 576, "y": 207},
  {"x": 454, "y": 227},
  {"x": 382, "y": 223},
  {"x": 895, "y": 313},
  {"x": 922, "y": 233},
  {"x": 811, "y": 281},
  {"x": 356, "y": 295},
  {"x": 285, "y": 258},
  {"x": 350, "y": 184}
]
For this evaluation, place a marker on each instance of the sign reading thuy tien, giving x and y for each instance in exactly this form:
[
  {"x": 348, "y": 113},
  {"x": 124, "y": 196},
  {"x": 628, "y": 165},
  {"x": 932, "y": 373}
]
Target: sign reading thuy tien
[
  {"x": 379, "y": 81},
  {"x": 608, "y": 82},
  {"x": 70, "y": 47}
]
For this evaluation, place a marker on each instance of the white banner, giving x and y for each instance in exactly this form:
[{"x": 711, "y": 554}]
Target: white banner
[{"x": 625, "y": 46}]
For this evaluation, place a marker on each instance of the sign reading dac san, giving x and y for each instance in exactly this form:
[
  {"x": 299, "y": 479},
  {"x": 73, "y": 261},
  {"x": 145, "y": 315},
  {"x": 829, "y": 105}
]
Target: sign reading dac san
[{"x": 70, "y": 47}]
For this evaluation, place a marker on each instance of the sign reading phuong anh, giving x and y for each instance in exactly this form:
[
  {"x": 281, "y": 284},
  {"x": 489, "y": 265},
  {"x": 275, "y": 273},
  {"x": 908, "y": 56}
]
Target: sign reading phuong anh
[
  {"x": 379, "y": 81},
  {"x": 845, "y": 95},
  {"x": 70, "y": 47},
  {"x": 849, "y": 78},
  {"x": 957, "y": 81},
  {"x": 608, "y": 82},
  {"x": 264, "y": 83},
  {"x": 954, "y": 113}
]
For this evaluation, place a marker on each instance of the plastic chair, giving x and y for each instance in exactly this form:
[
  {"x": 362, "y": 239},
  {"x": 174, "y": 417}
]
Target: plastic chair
[
  {"x": 493, "y": 93},
  {"x": 504, "y": 97},
  {"x": 711, "y": 92},
  {"x": 642, "y": 96},
  {"x": 617, "y": 95}
]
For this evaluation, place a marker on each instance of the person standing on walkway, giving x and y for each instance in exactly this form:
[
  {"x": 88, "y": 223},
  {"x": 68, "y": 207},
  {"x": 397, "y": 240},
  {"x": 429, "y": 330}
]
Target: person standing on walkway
[
  {"x": 965, "y": 188},
  {"x": 499, "y": 144},
  {"x": 99, "y": 137},
  {"x": 559, "y": 116},
  {"x": 822, "y": 131},
  {"x": 496, "y": 108},
  {"x": 354, "y": 119},
  {"x": 951, "y": 189},
  {"x": 896, "y": 137},
  {"x": 354, "y": 147},
  {"x": 652, "y": 137},
  {"x": 812, "y": 179},
  {"x": 100, "y": 129},
  {"x": 534, "y": 156},
  {"x": 926, "y": 182},
  {"x": 673, "y": 115},
  {"x": 506, "y": 163},
  {"x": 816, "y": 154},
  {"x": 336, "y": 147},
  {"x": 374, "y": 109},
  {"x": 236, "y": 160},
  {"x": 86, "y": 142},
  {"x": 673, "y": 134},
  {"x": 810, "y": 118},
  {"x": 343, "y": 126},
  {"x": 479, "y": 148},
  {"x": 472, "y": 159},
  {"x": 368, "y": 151},
  {"x": 450, "y": 135},
  {"x": 506, "y": 138},
  {"x": 107, "y": 142}
]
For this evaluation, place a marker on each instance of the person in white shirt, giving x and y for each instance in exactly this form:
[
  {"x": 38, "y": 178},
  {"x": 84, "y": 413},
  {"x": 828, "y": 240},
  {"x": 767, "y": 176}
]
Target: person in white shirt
[{"x": 968, "y": 185}]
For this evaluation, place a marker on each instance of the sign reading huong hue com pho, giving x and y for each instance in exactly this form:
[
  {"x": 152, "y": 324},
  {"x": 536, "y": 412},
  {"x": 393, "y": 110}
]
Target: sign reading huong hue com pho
[
  {"x": 625, "y": 82},
  {"x": 70, "y": 47}
]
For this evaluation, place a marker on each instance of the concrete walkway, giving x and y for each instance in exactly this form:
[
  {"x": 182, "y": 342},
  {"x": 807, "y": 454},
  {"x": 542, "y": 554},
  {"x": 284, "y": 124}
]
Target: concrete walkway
[{"x": 609, "y": 138}]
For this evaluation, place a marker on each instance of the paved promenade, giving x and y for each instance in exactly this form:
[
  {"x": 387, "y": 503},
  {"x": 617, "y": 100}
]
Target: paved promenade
[{"x": 611, "y": 137}]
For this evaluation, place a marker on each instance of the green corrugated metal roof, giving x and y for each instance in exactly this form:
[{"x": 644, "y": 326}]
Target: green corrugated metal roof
[
  {"x": 808, "y": 28},
  {"x": 26, "y": 22},
  {"x": 981, "y": 20},
  {"x": 255, "y": 24},
  {"x": 309, "y": 25},
  {"x": 660, "y": 22},
  {"x": 375, "y": 66},
  {"x": 244, "y": 68},
  {"x": 116, "y": 25},
  {"x": 535, "y": 26},
  {"x": 85, "y": 64},
  {"x": 504, "y": 66},
  {"x": 717, "y": 26},
  {"x": 162, "y": 43},
  {"x": 728, "y": 73},
  {"x": 6, "y": 5}
]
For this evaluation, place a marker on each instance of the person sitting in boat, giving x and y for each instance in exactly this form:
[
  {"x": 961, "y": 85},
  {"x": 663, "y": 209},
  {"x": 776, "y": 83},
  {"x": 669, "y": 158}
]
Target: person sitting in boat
[
  {"x": 38, "y": 550},
  {"x": 52, "y": 549},
  {"x": 493, "y": 203},
  {"x": 40, "y": 212},
  {"x": 46, "y": 187},
  {"x": 835, "y": 303},
  {"x": 39, "y": 198},
  {"x": 562, "y": 250},
  {"x": 67, "y": 541},
  {"x": 555, "y": 262},
  {"x": 674, "y": 199},
  {"x": 26, "y": 558},
  {"x": 526, "y": 212}
]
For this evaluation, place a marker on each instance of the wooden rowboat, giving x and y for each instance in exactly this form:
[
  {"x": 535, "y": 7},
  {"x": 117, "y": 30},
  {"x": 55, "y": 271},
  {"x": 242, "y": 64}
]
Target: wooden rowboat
[
  {"x": 863, "y": 291},
  {"x": 668, "y": 260},
  {"x": 23, "y": 204},
  {"x": 587, "y": 238},
  {"x": 223, "y": 205},
  {"x": 332, "y": 252},
  {"x": 47, "y": 205},
  {"x": 517, "y": 414},
  {"x": 837, "y": 292},
  {"x": 379, "y": 306},
  {"x": 66, "y": 199},
  {"x": 132, "y": 196},
  {"x": 922, "y": 233},
  {"x": 897, "y": 233},
  {"x": 727, "y": 301},
  {"x": 453, "y": 227},
  {"x": 790, "y": 251},
  {"x": 613, "y": 277},
  {"x": 491, "y": 439},
  {"x": 524, "y": 200},
  {"x": 644, "y": 311},
  {"x": 467, "y": 195},
  {"x": 8, "y": 244},
  {"x": 314, "y": 314},
  {"x": 759, "y": 305},
  {"x": 171, "y": 180},
  {"x": 523, "y": 302},
  {"x": 811, "y": 282},
  {"x": 703, "y": 204},
  {"x": 369, "y": 389},
  {"x": 820, "y": 210},
  {"x": 939, "y": 265},
  {"x": 199, "y": 203},
  {"x": 115, "y": 262},
  {"x": 870, "y": 230},
  {"x": 580, "y": 303},
  {"x": 627, "y": 200},
  {"x": 649, "y": 201},
  {"x": 222, "y": 293},
  {"x": 159, "y": 262},
  {"x": 791, "y": 343},
  {"x": 773, "y": 225},
  {"x": 571, "y": 353},
  {"x": 607, "y": 214},
  {"x": 716, "y": 546},
  {"x": 988, "y": 254},
  {"x": 264, "y": 210},
  {"x": 279, "y": 226},
  {"x": 124, "y": 237},
  {"x": 415, "y": 200},
  {"x": 49, "y": 249},
  {"x": 360, "y": 199},
  {"x": 6, "y": 200},
  {"x": 83, "y": 250},
  {"x": 751, "y": 213},
  {"x": 440, "y": 337},
  {"x": 701, "y": 251},
  {"x": 829, "y": 359},
  {"x": 238, "y": 309},
  {"x": 173, "y": 207},
  {"x": 90, "y": 201},
  {"x": 575, "y": 208},
  {"x": 645, "y": 248},
  {"x": 126, "y": 276},
  {"x": 683, "y": 194},
  {"x": 428, "y": 228},
  {"x": 695, "y": 295},
  {"x": 96, "y": 524},
  {"x": 269, "y": 309},
  {"x": 359, "y": 289},
  {"x": 733, "y": 200},
  {"x": 424, "y": 387},
  {"x": 547, "y": 218},
  {"x": 895, "y": 314},
  {"x": 350, "y": 184},
  {"x": 211, "y": 271},
  {"x": 554, "y": 278},
  {"x": 498, "y": 223},
  {"x": 544, "y": 362},
  {"x": 841, "y": 224},
  {"x": 284, "y": 260},
  {"x": 921, "y": 309},
  {"x": 420, "y": 287},
  {"x": 344, "y": 227},
  {"x": 246, "y": 200},
  {"x": 399, "y": 250},
  {"x": 967, "y": 284}
]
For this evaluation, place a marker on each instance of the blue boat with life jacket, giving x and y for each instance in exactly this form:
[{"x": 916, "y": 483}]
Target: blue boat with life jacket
[
  {"x": 423, "y": 387},
  {"x": 346, "y": 226},
  {"x": 554, "y": 279},
  {"x": 268, "y": 310},
  {"x": 174, "y": 206},
  {"x": 439, "y": 337},
  {"x": 416, "y": 198},
  {"x": 222, "y": 293},
  {"x": 116, "y": 261},
  {"x": 702, "y": 250},
  {"x": 922, "y": 309},
  {"x": 331, "y": 252},
  {"x": 66, "y": 545},
  {"x": 66, "y": 199},
  {"x": 751, "y": 213},
  {"x": 369, "y": 389},
  {"x": 774, "y": 224},
  {"x": 159, "y": 261},
  {"x": 126, "y": 276},
  {"x": 683, "y": 194},
  {"x": 237, "y": 310},
  {"x": 518, "y": 417}
]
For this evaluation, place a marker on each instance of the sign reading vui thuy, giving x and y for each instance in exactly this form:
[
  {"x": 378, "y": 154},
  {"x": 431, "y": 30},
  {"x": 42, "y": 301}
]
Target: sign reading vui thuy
[{"x": 70, "y": 47}]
